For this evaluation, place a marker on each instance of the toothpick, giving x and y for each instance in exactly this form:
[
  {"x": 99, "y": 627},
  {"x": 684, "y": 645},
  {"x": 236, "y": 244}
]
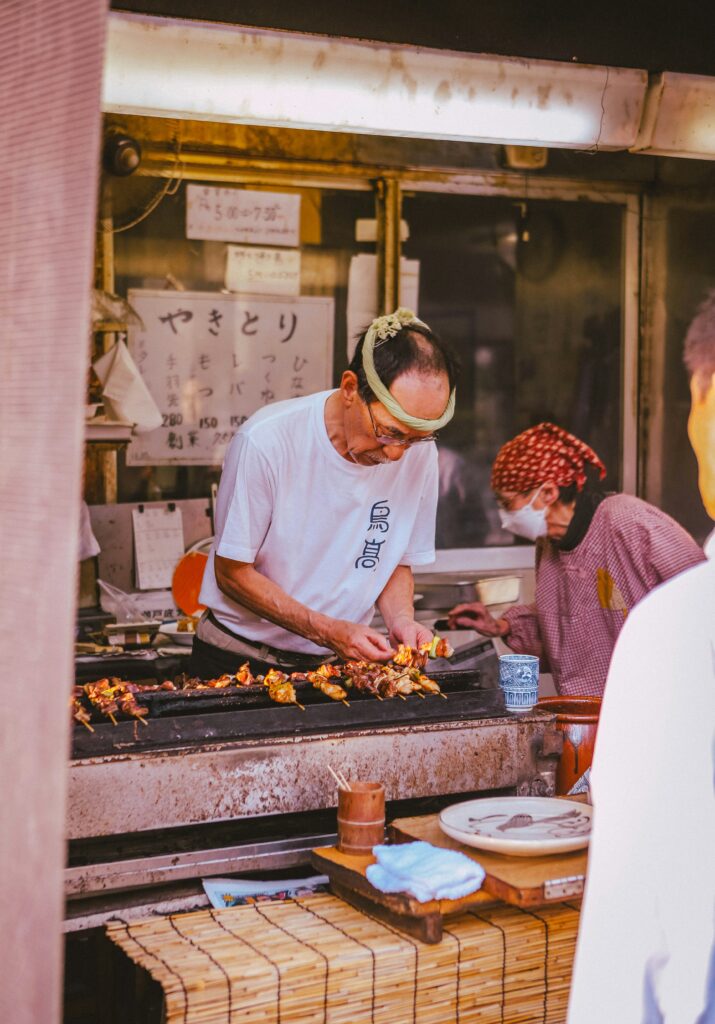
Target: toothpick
[
  {"x": 85, "y": 724},
  {"x": 442, "y": 695},
  {"x": 114, "y": 721},
  {"x": 345, "y": 703},
  {"x": 418, "y": 694},
  {"x": 402, "y": 696},
  {"x": 299, "y": 705}
]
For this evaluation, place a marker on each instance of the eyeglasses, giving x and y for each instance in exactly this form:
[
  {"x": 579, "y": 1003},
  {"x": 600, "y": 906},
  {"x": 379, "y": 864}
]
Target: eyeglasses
[{"x": 398, "y": 442}]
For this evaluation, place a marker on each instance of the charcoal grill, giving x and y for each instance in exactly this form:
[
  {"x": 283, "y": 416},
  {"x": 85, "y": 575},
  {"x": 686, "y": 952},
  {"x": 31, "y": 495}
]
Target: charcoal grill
[
  {"x": 228, "y": 761},
  {"x": 199, "y": 716}
]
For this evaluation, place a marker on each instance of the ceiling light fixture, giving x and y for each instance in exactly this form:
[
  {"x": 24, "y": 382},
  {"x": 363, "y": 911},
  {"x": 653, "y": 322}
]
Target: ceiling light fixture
[
  {"x": 183, "y": 69},
  {"x": 679, "y": 117}
]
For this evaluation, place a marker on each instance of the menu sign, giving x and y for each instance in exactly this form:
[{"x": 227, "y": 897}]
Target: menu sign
[{"x": 242, "y": 215}]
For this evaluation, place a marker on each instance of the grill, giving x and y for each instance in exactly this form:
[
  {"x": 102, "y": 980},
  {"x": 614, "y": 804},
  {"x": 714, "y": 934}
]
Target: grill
[
  {"x": 201, "y": 716},
  {"x": 222, "y": 782}
]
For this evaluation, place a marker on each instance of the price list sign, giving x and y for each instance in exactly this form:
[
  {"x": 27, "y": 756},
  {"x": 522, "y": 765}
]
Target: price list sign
[
  {"x": 210, "y": 360},
  {"x": 242, "y": 215}
]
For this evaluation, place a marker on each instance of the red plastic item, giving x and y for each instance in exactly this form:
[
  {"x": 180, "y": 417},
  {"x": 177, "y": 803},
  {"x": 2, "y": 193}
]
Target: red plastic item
[{"x": 186, "y": 582}]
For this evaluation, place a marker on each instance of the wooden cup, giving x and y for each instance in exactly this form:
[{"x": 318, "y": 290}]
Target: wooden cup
[
  {"x": 361, "y": 817},
  {"x": 577, "y": 719}
]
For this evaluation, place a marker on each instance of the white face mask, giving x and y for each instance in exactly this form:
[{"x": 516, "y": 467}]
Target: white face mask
[{"x": 528, "y": 522}]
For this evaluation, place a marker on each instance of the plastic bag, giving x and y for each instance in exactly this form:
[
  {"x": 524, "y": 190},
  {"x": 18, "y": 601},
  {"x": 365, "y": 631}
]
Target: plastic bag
[{"x": 120, "y": 604}]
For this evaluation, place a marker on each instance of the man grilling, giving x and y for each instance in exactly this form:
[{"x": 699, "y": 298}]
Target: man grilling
[{"x": 325, "y": 505}]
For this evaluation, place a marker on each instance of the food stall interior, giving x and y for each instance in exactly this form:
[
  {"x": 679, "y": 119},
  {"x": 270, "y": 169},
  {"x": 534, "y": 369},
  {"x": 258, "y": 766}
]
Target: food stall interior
[
  {"x": 534, "y": 274},
  {"x": 530, "y": 272}
]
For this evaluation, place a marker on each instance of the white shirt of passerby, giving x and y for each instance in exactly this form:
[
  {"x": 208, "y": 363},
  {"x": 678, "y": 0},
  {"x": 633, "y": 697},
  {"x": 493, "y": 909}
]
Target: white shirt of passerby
[
  {"x": 646, "y": 945},
  {"x": 329, "y": 532}
]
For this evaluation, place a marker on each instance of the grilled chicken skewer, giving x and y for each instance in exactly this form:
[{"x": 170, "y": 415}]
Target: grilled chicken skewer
[
  {"x": 400, "y": 678},
  {"x": 80, "y": 713},
  {"x": 101, "y": 695},
  {"x": 244, "y": 676},
  {"x": 280, "y": 688},
  {"x": 321, "y": 681}
]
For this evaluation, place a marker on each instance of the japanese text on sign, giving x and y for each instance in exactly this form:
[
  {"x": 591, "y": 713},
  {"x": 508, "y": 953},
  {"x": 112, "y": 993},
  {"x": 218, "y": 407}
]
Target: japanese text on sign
[
  {"x": 210, "y": 360},
  {"x": 240, "y": 215},
  {"x": 263, "y": 271}
]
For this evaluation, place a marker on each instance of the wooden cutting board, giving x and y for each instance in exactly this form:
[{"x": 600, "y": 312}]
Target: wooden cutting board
[
  {"x": 400, "y": 910},
  {"x": 521, "y": 881}
]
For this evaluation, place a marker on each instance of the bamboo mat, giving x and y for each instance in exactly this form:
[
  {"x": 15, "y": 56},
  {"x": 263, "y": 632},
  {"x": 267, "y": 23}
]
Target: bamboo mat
[{"x": 318, "y": 961}]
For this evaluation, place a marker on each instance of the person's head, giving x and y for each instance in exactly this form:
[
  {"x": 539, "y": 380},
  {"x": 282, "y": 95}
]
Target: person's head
[
  {"x": 536, "y": 478},
  {"x": 398, "y": 390},
  {"x": 699, "y": 358}
]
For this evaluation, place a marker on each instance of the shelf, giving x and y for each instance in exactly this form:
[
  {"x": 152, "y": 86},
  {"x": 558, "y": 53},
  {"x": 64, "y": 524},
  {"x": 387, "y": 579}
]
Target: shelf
[
  {"x": 110, "y": 327},
  {"x": 108, "y": 430}
]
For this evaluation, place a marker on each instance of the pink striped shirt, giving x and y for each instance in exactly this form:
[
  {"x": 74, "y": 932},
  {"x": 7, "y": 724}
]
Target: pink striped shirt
[{"x": 584, "y": 595}]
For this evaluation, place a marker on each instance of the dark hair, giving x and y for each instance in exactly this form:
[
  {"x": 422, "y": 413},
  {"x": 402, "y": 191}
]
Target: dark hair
[
  {"x": 415, "y": 349},
  {"x": 570, "y": 493},
  {"x": 592, "y": 485},
  {"x": 699, "y": 352}
]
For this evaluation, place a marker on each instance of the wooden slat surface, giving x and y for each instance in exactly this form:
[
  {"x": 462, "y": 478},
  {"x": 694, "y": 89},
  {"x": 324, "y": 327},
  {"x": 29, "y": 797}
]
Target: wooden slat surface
[{"x": 316, "y": 959}]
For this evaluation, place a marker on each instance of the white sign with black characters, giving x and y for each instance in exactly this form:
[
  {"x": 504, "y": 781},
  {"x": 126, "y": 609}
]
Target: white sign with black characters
[
  {"x": 241, "y": 215},
  {"x": 211, "y": 359}
]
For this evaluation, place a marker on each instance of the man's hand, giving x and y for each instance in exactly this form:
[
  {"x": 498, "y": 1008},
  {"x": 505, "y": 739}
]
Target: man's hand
[
  {"x": 476, "y": 616},
  {"x": 353, "y": 642},
  {"x": 406, "y": 631}
]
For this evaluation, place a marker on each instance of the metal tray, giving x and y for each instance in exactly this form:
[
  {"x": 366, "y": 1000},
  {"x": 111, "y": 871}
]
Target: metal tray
[{"x": 445, "y": 594}]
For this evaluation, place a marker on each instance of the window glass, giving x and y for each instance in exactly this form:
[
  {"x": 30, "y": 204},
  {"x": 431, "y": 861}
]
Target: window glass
[
  {"x": 690, "y": 276},
  {"x": 156, "y": 254},
  {"x": 529, "y": 294}
]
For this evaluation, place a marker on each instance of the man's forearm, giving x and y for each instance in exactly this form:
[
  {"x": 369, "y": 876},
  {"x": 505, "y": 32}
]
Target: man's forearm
[
  {"x": 241, "y": 582},
  {"x": 397, "y": 600}
]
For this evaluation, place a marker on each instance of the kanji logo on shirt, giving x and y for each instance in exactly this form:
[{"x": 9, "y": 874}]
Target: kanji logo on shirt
[{"x": 379, "y": 515}]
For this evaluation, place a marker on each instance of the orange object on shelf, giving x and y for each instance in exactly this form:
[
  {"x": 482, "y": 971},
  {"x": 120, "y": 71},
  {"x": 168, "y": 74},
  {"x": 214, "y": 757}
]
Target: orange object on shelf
[
  {"x": 186, "y": 582},
  {"x": 577, "y": 719}
]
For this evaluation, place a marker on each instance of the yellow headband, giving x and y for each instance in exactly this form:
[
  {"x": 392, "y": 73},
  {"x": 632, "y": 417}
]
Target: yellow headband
[{"x": 380, "y": 330}]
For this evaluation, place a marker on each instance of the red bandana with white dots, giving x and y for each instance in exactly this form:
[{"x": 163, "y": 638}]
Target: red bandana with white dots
[{"x": 541, "y": 453}]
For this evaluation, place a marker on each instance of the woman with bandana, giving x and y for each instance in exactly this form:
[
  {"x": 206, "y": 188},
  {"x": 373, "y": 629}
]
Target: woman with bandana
[
  {"x": 597, "y": 556},
  {"x": 326, "y": 502}
]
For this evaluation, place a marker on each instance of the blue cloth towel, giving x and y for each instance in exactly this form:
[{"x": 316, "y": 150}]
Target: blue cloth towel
[{"x": 426, "y": 872}]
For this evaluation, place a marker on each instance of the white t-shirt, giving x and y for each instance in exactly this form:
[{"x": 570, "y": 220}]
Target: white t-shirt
[
  {"x": 329, "y": 532},
  {"x": 646, "y": 943}
]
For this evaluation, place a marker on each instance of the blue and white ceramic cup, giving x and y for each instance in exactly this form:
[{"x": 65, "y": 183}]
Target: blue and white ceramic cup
[{"x": 519, "y": 680}]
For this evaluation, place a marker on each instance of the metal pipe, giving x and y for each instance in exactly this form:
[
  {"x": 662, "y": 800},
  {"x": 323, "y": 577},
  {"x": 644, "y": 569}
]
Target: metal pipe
[{"x": 389, "y": 204}]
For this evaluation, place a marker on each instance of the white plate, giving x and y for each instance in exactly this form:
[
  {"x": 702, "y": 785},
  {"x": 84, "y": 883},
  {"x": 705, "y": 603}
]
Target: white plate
[
  {"x": 520, "y": 826},
  {"x": 172, "y": 629}
]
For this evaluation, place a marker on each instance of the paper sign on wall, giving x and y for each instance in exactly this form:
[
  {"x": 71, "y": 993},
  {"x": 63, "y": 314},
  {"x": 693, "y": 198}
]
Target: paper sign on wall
[
  {"x": 362, "y": 292},
  {"x": 158, "y": 545},
  {"x": 241, "y": 215},
  {"x": 257, "y": 271},
  {"x": 211, "y": 359}
]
